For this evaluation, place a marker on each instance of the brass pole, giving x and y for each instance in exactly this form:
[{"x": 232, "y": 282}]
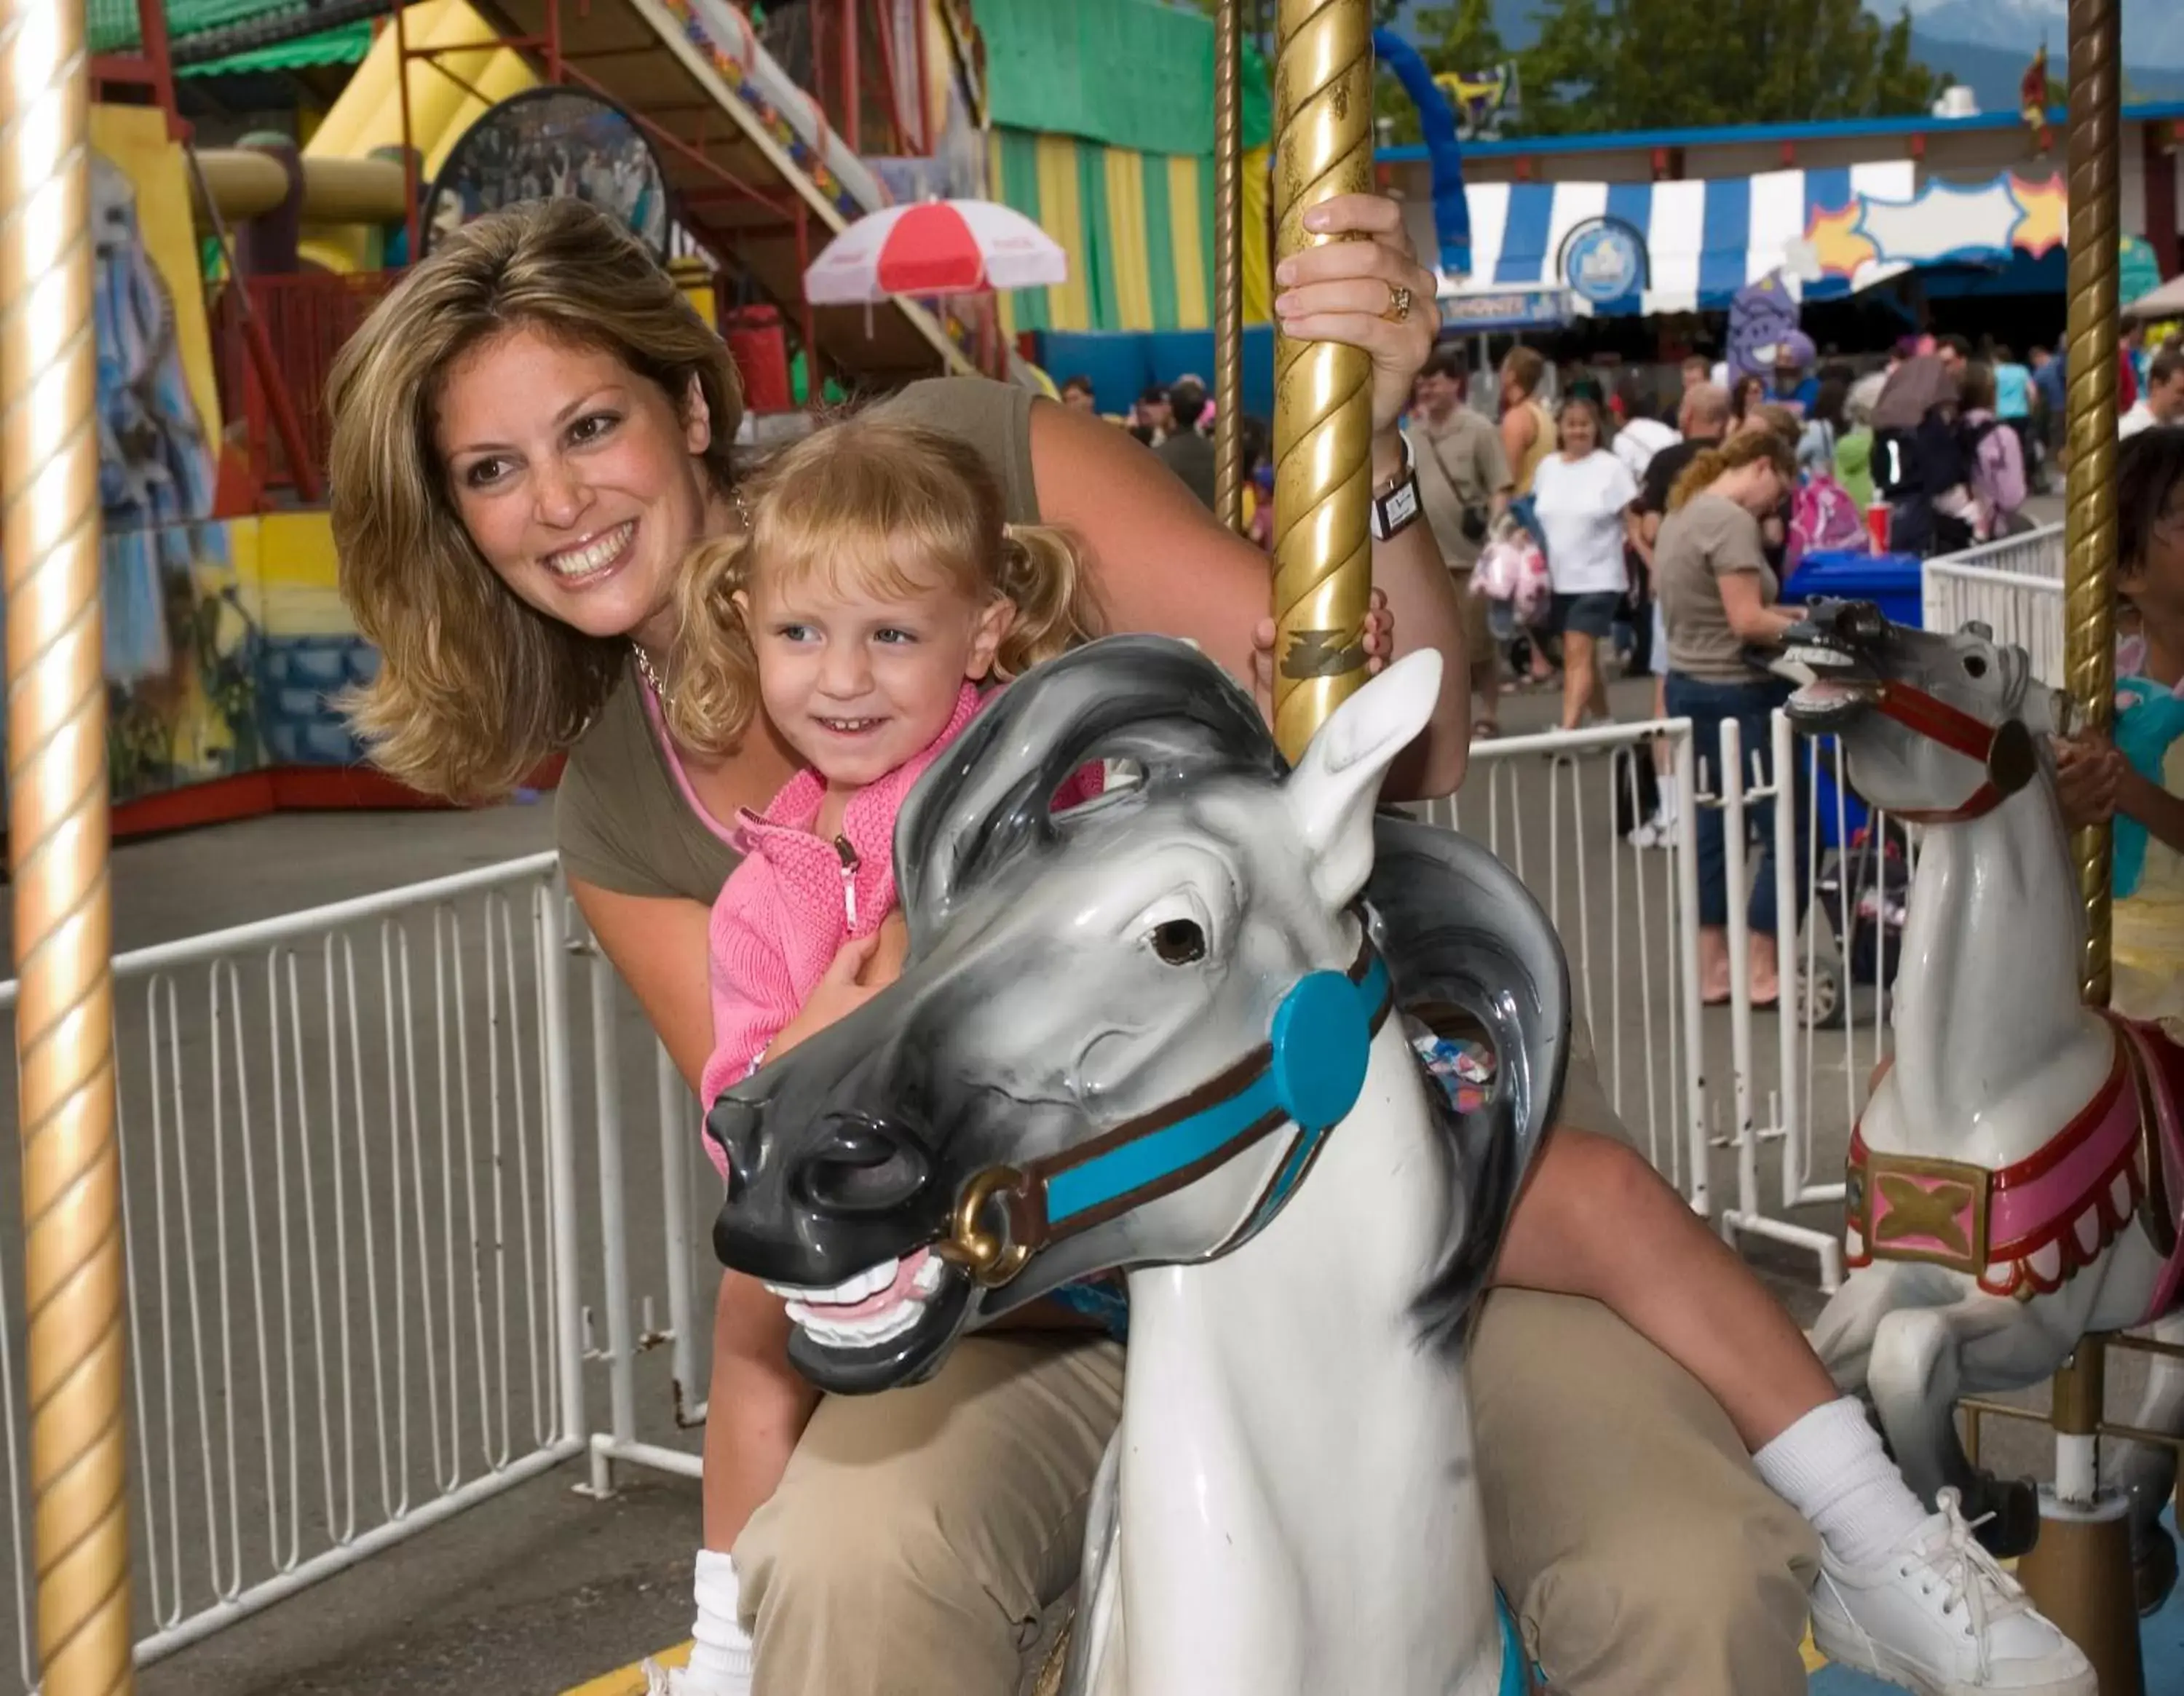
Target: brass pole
[
  {"x": 1322, "y": 392},
  {"x": 1228, "y": 261},
  {"x": 2090, "y": 520},
  {"x": 2079, "y": 1573},
  {"x": 57, "y": 843}
]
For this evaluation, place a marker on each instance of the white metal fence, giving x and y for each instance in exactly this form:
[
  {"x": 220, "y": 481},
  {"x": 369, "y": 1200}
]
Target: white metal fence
[
  {"x": 2014, "y": 586},
  {"x": 348, "y": 1193}
]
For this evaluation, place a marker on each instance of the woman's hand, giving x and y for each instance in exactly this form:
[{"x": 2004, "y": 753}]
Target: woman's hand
[
  {"x": 2088, "y": 780},
  {"x": 1379, "y": 649},
  {"x": 1342, "y": 290}
]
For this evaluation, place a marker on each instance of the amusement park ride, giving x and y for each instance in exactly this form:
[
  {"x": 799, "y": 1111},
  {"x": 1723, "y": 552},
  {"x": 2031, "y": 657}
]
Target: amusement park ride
[{"x": 1212, "y": 1605}]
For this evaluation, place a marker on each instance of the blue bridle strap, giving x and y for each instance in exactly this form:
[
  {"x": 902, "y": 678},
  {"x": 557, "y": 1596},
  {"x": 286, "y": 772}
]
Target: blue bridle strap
[{"x": 1308, "y": 1073}]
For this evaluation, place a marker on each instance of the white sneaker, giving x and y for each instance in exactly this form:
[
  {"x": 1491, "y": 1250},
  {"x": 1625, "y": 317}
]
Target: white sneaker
[
  {"x": 675, "y": 1681},
  {"x": 1938, "y": 1616}
]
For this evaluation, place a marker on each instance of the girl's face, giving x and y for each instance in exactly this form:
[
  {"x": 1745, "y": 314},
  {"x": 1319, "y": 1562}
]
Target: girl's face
[
  {"x": 578, "y": 480},
  {"x": 1580, "y": 431},
  {"x": 1757, "y": 488},
  {"x": 859, "y": 682},
  {"x": 2155, "y": 582}
]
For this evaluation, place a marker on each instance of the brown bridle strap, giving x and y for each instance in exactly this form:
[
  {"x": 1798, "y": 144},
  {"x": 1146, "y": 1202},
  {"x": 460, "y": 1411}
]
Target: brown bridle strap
[{"x": 994, "y": 1256}]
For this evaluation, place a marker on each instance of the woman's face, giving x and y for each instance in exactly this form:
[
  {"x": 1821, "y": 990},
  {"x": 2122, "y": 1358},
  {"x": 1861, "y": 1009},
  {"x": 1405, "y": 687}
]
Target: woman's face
[
  {"x": 1757, "y": 488},
  {"x": 2155, "y": 583},
  {"x": 1580, "y": 431},
  {"x": 578, "y": 480}
]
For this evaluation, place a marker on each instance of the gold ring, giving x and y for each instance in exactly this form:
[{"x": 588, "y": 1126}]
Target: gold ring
[{"x": 1398, "y": 308}]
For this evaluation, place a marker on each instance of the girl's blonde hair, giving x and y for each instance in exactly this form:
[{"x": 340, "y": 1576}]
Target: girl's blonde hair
[
  {"x": 475, "y": 687},
  {"x": 883, "y": 506},
  {"x": 1747, "y": 448}
]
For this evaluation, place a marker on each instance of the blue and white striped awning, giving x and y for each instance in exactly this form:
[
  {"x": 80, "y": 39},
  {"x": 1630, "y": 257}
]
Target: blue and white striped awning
[{"x": 1705, "y": 239}]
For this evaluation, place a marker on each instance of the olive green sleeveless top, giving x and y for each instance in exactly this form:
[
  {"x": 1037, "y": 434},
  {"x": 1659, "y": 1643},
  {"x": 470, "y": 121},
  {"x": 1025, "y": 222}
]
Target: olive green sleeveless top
[{"x": 622, "y": 819}]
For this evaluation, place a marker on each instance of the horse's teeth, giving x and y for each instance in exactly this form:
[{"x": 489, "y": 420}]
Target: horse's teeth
[
  {"x": 869, "y": 1283},
  {"x": 927, "y": 1278}
]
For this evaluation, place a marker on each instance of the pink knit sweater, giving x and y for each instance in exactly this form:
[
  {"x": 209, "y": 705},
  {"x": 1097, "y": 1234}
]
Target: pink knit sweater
[{"x": 785, "y": 912}]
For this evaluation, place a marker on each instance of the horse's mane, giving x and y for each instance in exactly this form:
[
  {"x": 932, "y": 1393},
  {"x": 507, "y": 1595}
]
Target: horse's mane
[{"x": 1473, "y": 954}]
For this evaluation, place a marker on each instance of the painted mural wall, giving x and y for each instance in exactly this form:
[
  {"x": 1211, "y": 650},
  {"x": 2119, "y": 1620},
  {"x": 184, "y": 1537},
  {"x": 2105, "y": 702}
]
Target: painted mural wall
[{"x": 225, "y": 637}]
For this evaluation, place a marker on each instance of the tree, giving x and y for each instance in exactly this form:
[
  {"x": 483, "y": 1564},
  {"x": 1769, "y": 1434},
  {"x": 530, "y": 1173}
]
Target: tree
[{"x": 1642, "y": 65}]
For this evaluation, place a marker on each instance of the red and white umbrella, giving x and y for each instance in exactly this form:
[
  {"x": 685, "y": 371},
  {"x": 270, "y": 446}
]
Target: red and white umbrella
[{"x": 935, "y": 247}]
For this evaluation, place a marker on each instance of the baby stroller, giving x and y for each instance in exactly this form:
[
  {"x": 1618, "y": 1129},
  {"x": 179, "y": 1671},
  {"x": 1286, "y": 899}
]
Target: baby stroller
[{"x": 1861, "y": 893}]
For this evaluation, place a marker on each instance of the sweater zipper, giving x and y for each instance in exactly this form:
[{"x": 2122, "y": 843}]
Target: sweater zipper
[{"x": 849, "y": 881}]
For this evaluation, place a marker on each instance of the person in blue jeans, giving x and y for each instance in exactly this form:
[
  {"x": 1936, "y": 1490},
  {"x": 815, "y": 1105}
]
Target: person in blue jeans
[{"x": 1718, "y": 597}]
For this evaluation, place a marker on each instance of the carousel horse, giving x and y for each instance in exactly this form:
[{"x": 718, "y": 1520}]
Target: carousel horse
[
  {"x": 2014, "y": 1180},
  {"x": 1154, "y": 1033}
]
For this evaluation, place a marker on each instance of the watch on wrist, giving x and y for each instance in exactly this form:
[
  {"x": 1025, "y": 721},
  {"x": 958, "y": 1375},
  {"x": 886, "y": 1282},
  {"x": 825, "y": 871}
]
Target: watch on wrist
[{"x": 1396, "y": 504}]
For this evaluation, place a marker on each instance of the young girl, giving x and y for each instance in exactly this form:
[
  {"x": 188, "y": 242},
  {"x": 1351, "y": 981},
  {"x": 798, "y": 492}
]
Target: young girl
[
  {"x": 2138, "y": 779},
  {"x": 874, "y": 595}
]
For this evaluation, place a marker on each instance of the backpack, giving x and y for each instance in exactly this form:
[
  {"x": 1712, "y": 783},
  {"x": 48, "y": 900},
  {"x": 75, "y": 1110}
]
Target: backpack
[{"x": 1822, "y": 516}]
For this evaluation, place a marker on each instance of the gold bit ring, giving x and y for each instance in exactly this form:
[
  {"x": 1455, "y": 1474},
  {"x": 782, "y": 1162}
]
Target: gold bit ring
[{"x": 1398, "y": 310}]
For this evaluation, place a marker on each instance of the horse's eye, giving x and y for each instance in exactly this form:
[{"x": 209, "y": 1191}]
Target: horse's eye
[
  {"x": 1178, "y": 942},
  {"x": 1974, "y": 666}
]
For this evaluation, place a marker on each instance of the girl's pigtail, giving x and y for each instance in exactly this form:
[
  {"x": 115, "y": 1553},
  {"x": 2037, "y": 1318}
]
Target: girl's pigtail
[
  {"x": 1043, "y": 573},
  {"x": 712, "y": 677}
]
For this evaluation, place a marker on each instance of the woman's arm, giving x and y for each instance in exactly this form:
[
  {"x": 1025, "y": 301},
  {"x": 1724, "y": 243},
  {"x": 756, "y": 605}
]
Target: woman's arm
[
  {"x": 659, "y": 946},
  {"x": 1518, "y": 430},
  {"x": 1749, "y": 617},
  {"x": 1168, "y": 564}
]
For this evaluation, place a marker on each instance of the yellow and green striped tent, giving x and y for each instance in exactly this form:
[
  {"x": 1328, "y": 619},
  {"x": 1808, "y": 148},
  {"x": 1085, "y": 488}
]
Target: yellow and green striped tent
[{"x": 1102, "y": 114}]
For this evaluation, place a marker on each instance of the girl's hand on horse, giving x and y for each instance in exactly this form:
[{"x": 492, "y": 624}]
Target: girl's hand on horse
[
  {"x": 865, "y": 966},
  {"x": 1379, "y": 649},
  {"x": 2089, "y": 779},
  {"x": 1346, "y": 290}
]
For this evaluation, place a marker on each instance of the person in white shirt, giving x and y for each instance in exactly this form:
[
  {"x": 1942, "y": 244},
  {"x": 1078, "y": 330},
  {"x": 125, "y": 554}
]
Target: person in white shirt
[
  {"x": 2162, "y": 400},
  {"x": 1581, "y": 494}
]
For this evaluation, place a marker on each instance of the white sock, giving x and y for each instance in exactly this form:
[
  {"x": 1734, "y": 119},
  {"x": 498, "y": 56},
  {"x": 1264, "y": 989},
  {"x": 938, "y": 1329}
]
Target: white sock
[
  {"x": 721, "y": 1657},
  {"x": 1829, "y": 1466}
]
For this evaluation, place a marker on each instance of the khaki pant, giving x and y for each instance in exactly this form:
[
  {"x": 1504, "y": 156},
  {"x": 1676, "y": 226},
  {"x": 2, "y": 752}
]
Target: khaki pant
[{"x": 918, "y": 1535}]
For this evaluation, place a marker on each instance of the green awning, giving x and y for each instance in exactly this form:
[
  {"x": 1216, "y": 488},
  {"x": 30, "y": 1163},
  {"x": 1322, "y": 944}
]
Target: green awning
[{"x": 347, "y": 45}]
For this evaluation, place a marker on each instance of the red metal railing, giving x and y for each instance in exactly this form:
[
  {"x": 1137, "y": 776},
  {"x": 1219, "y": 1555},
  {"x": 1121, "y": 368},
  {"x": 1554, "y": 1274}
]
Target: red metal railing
[{"x": 306, "y": 318}]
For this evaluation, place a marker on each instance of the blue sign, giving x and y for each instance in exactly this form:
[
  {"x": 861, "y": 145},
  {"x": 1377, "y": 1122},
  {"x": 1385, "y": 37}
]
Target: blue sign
[
  {"x": 1603, "y": 261},
  {"x": 1478, "y": 311}
]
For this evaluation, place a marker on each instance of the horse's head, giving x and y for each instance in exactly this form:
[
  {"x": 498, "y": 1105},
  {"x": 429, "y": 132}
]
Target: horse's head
[
  {"x": 1077, "y": 981},
  {"x": 1936, "y": 728}
]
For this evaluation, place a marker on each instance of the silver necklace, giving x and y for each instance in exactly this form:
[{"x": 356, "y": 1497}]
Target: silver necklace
[
  {"x": 651, "y": 674},
  {"x": 645, "y": 668}
]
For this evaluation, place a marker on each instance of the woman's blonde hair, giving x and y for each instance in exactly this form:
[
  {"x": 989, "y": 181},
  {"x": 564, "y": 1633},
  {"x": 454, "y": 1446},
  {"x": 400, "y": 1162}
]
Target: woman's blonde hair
[
  {"x": 1747, "y": 448},
  {"x": 874, "y": 504},
  {"x": 476, "y": 688}
]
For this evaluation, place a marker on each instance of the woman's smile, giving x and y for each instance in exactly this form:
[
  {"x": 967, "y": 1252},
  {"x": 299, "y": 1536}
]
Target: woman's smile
[{"x": 589, "y": 560}]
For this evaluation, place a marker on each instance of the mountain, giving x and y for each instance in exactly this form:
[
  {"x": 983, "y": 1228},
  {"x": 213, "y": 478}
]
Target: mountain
[
  {"x": 2152, "y": 29},
  {"x": 1986, "y": 44}
]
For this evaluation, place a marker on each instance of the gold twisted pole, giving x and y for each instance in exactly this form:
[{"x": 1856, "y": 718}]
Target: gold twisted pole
[
  {"x": 57, "y": 841},
  {"x": 2090, "y": 520},
  {"x": 1322, "y": 390},
  {"x": 1227, "y": 262}
]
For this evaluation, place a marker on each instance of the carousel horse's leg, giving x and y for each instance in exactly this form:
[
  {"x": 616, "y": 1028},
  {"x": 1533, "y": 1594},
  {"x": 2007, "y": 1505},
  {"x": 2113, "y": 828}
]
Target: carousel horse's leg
[
  {"x": 1093, "y": 1639},
  {"x": 1843, "y": 1335},
  {"x": 1915, "y": 1375},
  {"x": 2147, "y": 1471}
]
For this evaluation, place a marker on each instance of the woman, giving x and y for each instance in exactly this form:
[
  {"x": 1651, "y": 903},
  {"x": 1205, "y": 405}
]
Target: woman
[
  {"x": 1582, "y": 494},
  {"x": 1998, "y": 459},
  {"x": 1719, "y": 594},
  {"x": 1822, "y": 431},
  {"x": 529, "y": 434},
  {"x": 1746, "y": 397}
]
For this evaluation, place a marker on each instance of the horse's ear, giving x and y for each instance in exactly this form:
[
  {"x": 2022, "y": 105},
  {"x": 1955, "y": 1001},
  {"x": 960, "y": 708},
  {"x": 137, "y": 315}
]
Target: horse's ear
[{"x": 1336, "y": 785}]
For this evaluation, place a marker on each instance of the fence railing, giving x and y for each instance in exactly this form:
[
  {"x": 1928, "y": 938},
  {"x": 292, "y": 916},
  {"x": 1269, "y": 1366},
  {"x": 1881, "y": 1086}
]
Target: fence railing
[
  {"x": 2014, "y": 586},
  {"x": 349, "y": 1199}
]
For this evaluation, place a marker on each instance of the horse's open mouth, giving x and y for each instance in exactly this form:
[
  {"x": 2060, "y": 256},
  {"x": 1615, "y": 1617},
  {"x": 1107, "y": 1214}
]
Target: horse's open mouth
[
  {"x": 1835, "y": 684},
  {"x": 889, "y": 1324}
]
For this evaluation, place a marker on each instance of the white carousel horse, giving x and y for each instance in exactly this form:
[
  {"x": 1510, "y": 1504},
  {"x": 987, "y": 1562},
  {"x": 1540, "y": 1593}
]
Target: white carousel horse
[
  {"x": 2015, "y": 1179},
  {"x": 1127, "y": 1037}
]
